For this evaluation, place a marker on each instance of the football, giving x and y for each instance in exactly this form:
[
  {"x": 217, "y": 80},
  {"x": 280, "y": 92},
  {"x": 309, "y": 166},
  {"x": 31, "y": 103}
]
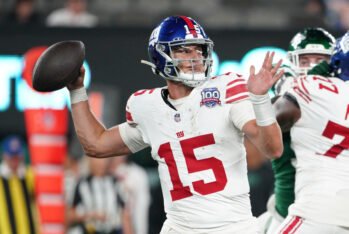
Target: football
[{"x": 58, "y": 66}]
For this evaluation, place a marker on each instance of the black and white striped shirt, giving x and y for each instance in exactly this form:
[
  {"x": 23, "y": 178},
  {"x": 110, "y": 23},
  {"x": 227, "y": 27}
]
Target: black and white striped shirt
[{"x": 102, "y": 195}]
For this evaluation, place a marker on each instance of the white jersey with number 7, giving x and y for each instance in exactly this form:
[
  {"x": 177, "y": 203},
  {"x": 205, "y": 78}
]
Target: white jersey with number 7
[{"x": 320, "y": 139}]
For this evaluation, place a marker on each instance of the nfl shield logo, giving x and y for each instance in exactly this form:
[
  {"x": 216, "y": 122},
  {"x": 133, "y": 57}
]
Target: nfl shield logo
[
  {"x": 177, "y": 117},
  {"x": 210, "y": 97}
]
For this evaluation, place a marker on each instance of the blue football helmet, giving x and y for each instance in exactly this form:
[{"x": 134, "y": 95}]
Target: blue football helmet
[
  {"x": 340, "y": 58},
  {"x": 174, "y": 32}
]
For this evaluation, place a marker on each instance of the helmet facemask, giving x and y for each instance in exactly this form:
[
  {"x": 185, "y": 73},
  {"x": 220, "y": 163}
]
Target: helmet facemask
[
  {"x": 294, "y": 57},
  {"x": 191, "y": 76}
]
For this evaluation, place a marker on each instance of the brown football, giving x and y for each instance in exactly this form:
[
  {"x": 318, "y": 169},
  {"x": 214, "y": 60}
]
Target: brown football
[{"x": 58, "y": 65}]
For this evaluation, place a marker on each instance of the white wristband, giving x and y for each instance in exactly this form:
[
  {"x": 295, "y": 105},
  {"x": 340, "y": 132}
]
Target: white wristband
[
  {"x": 78, "y": 95},
  {"x": 263, "y": 109}
]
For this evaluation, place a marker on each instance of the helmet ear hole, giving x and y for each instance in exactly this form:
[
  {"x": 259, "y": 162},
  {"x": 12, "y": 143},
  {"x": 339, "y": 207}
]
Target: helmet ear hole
[
  {"x": 167, "y": 70},
  {"x": 160, "y": 47}
]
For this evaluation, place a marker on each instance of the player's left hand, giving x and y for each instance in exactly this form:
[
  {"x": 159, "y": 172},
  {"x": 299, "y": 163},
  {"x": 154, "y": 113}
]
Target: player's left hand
[{"x": 267, "y": 76}]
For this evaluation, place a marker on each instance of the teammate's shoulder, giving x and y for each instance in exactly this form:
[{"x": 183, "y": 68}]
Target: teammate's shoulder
[
  {"x": 318, "y": 81},
  {"x": 302, "y": 86},
  {"x": 315, "y": 86},
  {"x": 234, "y": 86}
]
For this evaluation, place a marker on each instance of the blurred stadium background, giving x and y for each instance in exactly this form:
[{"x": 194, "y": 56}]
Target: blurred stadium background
[{"x": 241, "y": 29}]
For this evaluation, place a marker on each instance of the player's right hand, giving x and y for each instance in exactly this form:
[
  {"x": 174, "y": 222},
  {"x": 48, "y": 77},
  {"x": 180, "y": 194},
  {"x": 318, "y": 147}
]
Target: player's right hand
[{"x": 79, "y": 82}]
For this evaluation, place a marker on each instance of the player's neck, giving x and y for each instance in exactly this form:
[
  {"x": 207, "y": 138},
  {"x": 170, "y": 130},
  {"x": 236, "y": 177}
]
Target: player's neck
[{"x": 178, "y": 90}]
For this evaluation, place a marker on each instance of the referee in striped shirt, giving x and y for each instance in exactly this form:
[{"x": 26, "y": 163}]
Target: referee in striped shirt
[
  {"x": 16, "y": 190},
  {"x": 98, "y": 205}
]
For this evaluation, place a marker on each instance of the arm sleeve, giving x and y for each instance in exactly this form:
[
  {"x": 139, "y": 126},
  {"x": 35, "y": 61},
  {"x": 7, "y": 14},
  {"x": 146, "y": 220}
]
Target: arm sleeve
[
  {"x": 132, "y": 137},
  {"x": 241, "y": 112}
]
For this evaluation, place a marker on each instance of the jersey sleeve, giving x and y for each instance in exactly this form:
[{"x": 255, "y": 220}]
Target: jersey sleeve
[
  {"x": 132, "y": 137},
  {"x": 236, "y": 94},
  {"x": 300, "y": 89},
  {"x": 236, "y": 89},
  {"x": 241, "y": 112},
  {"x": 130, "y": 109},
  {"x": 129, "y": 131}
]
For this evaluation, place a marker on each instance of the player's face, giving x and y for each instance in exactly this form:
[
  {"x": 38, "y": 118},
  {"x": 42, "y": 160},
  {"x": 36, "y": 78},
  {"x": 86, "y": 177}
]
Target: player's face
[
  {"x": 310, "y": 60},
  {"x": 191, "y": 57},
  {"x": 13, "y": 161}
]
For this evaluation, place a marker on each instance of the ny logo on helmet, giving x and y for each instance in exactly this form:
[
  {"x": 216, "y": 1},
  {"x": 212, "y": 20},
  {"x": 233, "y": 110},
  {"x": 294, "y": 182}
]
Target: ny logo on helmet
[{"x": 154, "y": 35}]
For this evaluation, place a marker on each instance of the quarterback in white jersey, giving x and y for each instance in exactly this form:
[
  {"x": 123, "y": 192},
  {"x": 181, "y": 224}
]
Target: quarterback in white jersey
[
  {"x": 198, "y": 146},
  {"x": 195, "y": 128},
  {"x": 317, "y": 110}
]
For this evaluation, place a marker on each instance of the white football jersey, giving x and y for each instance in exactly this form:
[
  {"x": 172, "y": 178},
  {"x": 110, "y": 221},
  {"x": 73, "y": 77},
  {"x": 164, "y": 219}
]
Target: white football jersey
[
  {"x": 320, "y": 139},
  {"x": 199, "y": 149}
]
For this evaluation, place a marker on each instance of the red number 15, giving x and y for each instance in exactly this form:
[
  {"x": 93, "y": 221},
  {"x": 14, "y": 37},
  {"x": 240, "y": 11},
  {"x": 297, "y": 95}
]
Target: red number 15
[{"x": 193, "y": 165}]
